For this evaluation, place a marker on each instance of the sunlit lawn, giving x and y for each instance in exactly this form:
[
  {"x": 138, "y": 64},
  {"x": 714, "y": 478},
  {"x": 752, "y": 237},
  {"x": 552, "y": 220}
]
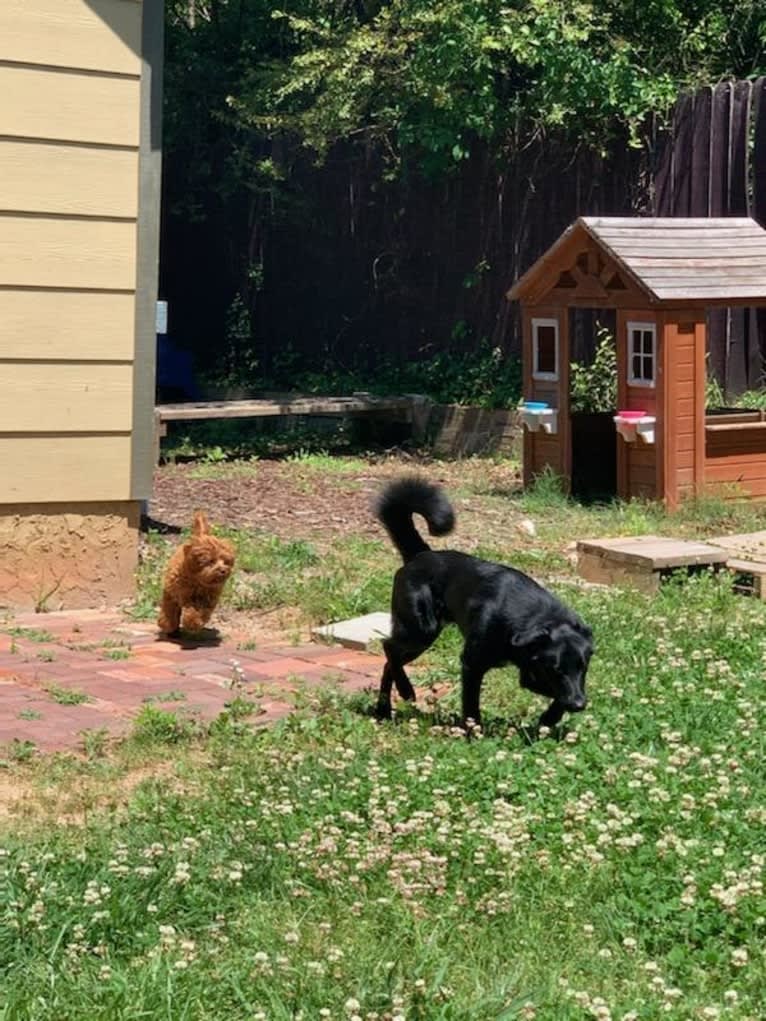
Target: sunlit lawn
[{"x": 332, "y": 867}]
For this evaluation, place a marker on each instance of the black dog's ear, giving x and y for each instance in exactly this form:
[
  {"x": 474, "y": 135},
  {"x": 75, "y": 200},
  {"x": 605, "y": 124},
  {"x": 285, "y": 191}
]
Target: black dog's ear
[{"x": 531, "y": 638}]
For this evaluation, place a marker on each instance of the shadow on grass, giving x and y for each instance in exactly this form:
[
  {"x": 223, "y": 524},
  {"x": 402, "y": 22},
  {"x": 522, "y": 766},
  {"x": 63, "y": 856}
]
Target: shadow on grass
[{"x": 493, "y": 725}]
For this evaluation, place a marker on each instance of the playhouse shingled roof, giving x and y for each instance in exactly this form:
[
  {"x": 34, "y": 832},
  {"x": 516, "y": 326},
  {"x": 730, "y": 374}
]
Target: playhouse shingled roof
[{"x": 702, "y": 260}]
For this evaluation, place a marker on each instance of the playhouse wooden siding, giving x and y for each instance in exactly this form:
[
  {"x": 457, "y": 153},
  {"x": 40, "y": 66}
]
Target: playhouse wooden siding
[
  {"x": 682, "y": 442},
  {"x": 637, "y": 463},
  {"x": 70, "y": 132},
  {"x": 541, "y": 450}
]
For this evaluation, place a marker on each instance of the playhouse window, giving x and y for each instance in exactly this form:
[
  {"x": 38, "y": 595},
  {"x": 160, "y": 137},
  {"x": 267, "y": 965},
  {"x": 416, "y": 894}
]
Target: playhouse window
[
  {"x": 545, "y": 348},
  {"x": 641, "y": 353}
]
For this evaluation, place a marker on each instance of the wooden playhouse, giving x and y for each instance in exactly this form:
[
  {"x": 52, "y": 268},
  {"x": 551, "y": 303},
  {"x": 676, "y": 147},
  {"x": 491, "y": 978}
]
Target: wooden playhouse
[{"x": 660, "y": 276}]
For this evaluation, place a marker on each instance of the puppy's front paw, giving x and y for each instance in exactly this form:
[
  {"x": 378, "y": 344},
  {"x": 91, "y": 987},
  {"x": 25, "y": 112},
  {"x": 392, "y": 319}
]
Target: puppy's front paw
[{"x": 194, "y": 620}]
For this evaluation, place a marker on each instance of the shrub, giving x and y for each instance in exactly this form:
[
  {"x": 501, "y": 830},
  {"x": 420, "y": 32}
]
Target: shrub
[{"x": 594, "y": 387}]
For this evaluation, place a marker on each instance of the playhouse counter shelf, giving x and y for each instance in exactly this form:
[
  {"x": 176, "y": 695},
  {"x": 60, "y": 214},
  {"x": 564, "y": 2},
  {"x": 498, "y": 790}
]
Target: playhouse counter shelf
[
  {"x": 635, "y": 425},
  {"x": 537, "y": 415}
]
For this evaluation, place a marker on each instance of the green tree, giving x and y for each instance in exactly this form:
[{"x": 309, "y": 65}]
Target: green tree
[{"x": 427, "y": 78}]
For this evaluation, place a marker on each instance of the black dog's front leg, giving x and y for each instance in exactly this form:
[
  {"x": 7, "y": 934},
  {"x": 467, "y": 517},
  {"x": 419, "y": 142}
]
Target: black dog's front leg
[
  {"x": 552, "y": 715},
  {"x": 472, "y": 676},
  {"x": 383, "y": 708}
]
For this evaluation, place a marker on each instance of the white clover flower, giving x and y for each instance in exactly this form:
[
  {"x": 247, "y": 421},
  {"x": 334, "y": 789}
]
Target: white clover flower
[{"x": 739, "y": 957}]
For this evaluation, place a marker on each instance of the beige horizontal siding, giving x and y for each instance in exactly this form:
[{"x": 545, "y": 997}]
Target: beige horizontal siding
[
  {"x": 41, "y": 252},
  {"x": 46, "y": 469},
  {"x": 67, "y": 324},
  {"x": 38, "y": 103},
  {"x": 49, "y": 178},
  {"x": 101, "y": 35},
  {"x": 39, "y": 397}
]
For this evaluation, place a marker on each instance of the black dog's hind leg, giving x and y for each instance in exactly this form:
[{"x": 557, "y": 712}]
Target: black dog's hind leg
[{"x": 401, "y": 648}]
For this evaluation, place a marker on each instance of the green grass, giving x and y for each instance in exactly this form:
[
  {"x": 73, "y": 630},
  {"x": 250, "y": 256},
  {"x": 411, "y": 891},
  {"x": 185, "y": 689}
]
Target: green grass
[
  {"x": 31, "y": 634},
  {"x": 161, "y": 726},
  {"x": 174, "y": 695},
  {"x": 67, "y": 696},
  {"x": 332, "y": 867},
  {"x": 215, "y": 443},
  {"x": 352, "y": 576},
  {"x": 330, "y": 859},
  {"x": 326, "y": 463},
  {"x": 117, "y": 654}
]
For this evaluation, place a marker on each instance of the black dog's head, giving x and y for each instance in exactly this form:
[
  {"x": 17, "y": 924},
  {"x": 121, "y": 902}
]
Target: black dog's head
[{"x": 553, "y": 661}]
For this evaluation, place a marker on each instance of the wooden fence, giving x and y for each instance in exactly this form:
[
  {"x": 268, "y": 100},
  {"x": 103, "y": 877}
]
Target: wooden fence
[
  {"x": 354, "y": 269},
  {"x": 712, "y": 162}
]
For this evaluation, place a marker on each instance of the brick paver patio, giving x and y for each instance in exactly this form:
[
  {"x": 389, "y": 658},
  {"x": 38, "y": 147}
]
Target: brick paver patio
[{"x": 120, "y": 665}]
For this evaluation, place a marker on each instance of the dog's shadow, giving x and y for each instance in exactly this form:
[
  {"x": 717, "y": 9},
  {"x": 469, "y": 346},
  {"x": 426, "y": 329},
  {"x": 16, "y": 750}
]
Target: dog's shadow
[
  {"x": 208, "y": 638},
  {"x": 493, "y": 726}
]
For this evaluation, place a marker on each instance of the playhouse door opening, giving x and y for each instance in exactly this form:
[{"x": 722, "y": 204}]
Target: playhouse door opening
[{"x": 593, "y": 399}]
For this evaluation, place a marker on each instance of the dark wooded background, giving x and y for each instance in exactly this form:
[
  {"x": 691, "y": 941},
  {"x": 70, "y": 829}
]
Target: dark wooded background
[{"x": 352, "y": 270}]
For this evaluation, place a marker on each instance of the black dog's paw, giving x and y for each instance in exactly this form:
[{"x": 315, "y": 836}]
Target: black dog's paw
[
  {"x": 383, "y": 711},
  {"x": 551, "y": 717}
]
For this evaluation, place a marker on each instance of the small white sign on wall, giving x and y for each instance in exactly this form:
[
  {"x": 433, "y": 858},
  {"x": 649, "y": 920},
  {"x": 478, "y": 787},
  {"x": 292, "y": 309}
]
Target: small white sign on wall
[{"x": 162, "y": 317}]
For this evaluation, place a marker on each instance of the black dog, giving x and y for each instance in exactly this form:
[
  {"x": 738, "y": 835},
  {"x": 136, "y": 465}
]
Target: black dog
[{"x": 504, "y": 616}]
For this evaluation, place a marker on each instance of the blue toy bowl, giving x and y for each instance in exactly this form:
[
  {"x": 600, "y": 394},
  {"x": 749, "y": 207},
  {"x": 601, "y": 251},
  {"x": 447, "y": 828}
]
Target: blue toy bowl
[{"x": 535, "y": 405}]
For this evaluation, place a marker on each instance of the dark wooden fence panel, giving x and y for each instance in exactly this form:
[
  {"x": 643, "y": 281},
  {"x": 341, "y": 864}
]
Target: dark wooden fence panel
[
  {"x": 356, "y": 269},
  {"x": 712, "y": 162}
]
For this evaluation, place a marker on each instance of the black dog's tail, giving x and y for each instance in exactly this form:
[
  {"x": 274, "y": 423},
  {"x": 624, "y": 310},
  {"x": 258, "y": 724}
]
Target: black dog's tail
[{"x": 413, "y": 495}]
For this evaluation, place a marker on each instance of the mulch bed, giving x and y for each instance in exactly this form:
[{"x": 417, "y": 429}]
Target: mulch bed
[{"x": 291, "y": 500}]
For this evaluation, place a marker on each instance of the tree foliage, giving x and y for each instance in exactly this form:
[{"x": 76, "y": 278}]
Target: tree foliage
[
  {"x": 400, "y": 89},
  {"x": 427, "y": 78}
]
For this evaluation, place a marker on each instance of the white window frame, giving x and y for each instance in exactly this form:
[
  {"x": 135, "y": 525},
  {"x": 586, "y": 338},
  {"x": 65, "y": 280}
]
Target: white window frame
[
  {"x": 536, "y": 324},
  {"x": 644, "y": 327}
]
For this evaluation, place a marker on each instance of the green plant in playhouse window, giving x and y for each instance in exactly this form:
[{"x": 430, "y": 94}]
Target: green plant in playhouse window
[
  {"x": 594, "y": 387},
  {"x": 714, "y": 393}
]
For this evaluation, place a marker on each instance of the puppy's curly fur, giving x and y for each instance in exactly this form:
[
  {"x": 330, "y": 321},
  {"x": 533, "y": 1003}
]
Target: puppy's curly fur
[{"x": 194, "y": 579}]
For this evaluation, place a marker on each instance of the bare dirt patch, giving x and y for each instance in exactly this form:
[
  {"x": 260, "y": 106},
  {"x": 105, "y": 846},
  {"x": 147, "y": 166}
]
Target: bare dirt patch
[
  {"x": 26, "y": 798},
  {"x": 293, "y": 500}
]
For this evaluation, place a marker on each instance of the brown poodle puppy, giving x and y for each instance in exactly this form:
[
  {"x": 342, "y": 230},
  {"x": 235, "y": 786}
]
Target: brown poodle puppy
[{"x": 194, "y": 579}]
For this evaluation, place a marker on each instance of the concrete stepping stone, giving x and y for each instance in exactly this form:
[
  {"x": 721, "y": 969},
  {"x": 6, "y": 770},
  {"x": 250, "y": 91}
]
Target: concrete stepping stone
[
  {"x": 357, "y": 633},
  {"x": 641, "y": 561}
]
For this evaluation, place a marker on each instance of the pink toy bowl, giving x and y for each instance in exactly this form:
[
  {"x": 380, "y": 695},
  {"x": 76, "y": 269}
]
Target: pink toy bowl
[{"x": 631, "y": 416}]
